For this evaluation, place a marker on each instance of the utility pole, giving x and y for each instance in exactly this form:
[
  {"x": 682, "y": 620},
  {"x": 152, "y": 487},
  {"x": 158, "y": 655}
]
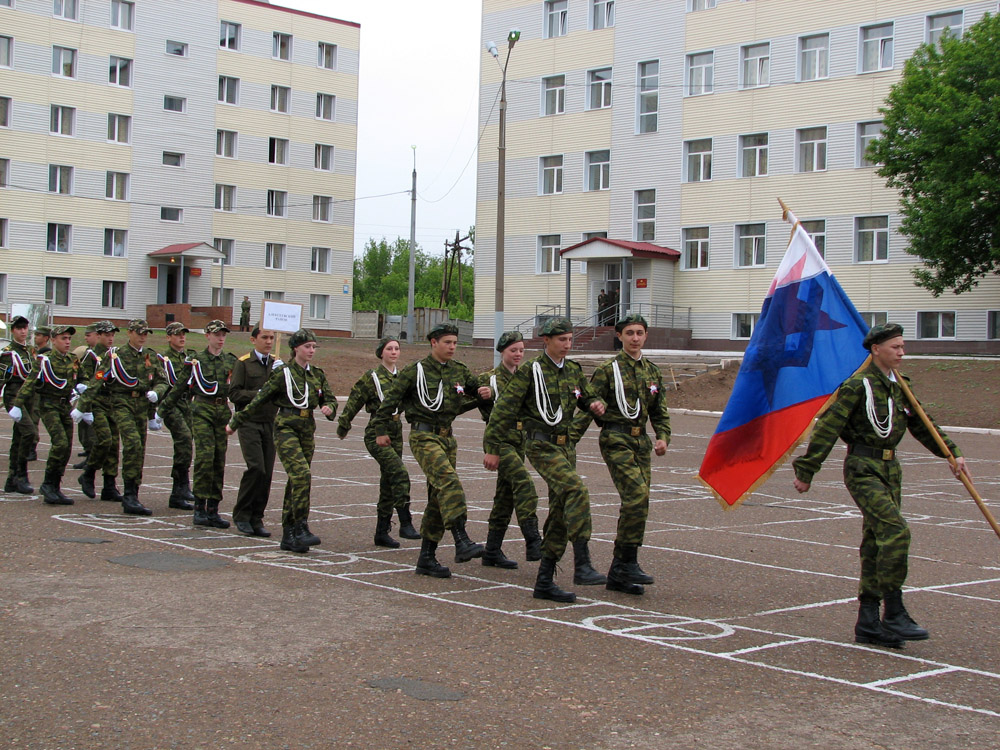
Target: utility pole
[{"x": 413, "y": 251}]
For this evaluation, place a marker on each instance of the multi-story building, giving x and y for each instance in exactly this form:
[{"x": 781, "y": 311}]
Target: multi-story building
[
  {"x": 671, "y": 128},
  {"x": 156, "y": 156}
]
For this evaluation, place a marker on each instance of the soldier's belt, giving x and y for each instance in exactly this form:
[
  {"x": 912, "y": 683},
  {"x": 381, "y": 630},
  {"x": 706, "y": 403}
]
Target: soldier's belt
[
  {"x": 216, "y": 400},
  {"x": 548, "y": 437},
  {"x": 54, "y": 399},
  {"x": 294, "y": 412},
  {"x": 886, "y": 454},
  {"x": 625, "y": 429},
  {"x": 427, "y": 427}
]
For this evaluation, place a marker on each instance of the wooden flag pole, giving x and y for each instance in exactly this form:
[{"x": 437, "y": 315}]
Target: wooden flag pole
[{"x": 963, "y": 477}]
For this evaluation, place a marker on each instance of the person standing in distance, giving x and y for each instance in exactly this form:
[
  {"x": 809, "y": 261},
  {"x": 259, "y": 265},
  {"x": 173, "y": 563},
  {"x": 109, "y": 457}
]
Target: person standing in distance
[{"x": 245, "y": 314}]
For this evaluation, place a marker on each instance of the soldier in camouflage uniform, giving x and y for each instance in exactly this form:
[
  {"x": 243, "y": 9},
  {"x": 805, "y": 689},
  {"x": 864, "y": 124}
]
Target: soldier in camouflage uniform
[
  {"x": 871, "y": 415},
  {"x": 102, "y": 454},
  {"x": 42, "y": 345},
  {"x": 632, "y": 387},
  {"x": 203, "y": 381},
  {"x": 542, "y": 395},
  {"x": 51, "y": 390},
  {"x": 132, "y": 378},
  {"x": 296, "y": 389},
  {"x": 431, "y": 393},
  {"x": 394, "y": 480},
  {"x": 245, "y": 314},
  {"x": 85, "y": 430},
  {"x": 515, "y": 490},
  {"x": 178, "y": 419},
  {"x": 16, "y": 368}
]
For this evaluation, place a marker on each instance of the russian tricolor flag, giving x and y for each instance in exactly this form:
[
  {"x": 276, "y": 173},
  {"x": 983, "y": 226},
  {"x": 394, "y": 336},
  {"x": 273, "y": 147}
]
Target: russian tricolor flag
[{"x": 807, "y": 341}]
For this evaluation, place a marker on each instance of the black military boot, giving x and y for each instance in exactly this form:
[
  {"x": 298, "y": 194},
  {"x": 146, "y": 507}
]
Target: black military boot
[
  {"x": 87, "y": 481},
  {"x": 465, "y": 548},
  {"x": 306, "y": 535},
  {"x": 897, "y": 620},
  {"x": 110, "y": 492},
  {"x": 427, "y": 564},
  {"x": 182, "y": 483},
  {"x": 382, "y": 538},
  {"x": 180, "y": 491},
  {"x": 50, "y": 491},
  {"x": 493, "y": 555},
  {"x": 212, "y": 515},
  {"x": 532, "y": 539},
  {"x": 619, "y": 578},
  {"x": 290, "y": 539},
  {"x": 634, "y": 572},
  {"x": 21, "y": 484},
  {"x": 406, "y": 529},
  {"x": 130, "y": 500},
  {"x": 32, "y": 455},
  {"x": 583, "y": 572},
  {"x": 10, "y": 485},
  {"x": 200, "y": 517},
  {"x": 81, "y": 465},
  {"x": 258, "y": 528},
  {"x": 545, "y": 587},
  {"x": 868, "y": 628}
]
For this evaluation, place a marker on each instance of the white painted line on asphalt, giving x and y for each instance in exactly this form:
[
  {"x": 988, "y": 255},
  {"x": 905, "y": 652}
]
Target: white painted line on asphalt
[{"x": 908, "y": 677}]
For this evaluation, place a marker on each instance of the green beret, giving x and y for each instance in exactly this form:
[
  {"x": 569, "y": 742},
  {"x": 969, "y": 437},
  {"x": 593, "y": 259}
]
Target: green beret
[
  {"x": 879, "y": 334},
  {"x": 300, "y": 337},
  {"x": 508, "y": 338},
  {"x": 56, "y": 330},
  {"x": 557, "y": 326},
  {"x": 631, "y": 320},
  {"x": 442, "y": 329},
  {"x": 216, "y": 326},
  {"x": 381, "y": 345}
]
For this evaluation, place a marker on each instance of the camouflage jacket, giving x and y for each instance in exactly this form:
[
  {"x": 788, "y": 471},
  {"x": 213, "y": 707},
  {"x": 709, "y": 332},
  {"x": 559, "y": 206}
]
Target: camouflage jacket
[
  {"x": 276, "y": 392},
  {"x": 16, "y": 364},
  {"x": 125, "y": 370},
  {"x": 496, "y": 380},
  {"x": 458, "y": 394},
  {"x": 203, "y": 374},
  {"x": 365, "y": 396},
  {"x": 642, "y": 382},
  {"x": 55, "y": 378}
]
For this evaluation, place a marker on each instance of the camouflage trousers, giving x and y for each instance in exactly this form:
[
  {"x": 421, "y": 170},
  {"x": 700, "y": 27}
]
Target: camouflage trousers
[
  {"x": 257, "y": 446},
  {"x": 445, "y": 496},
  {"x": 294, "y": 437},
  {"x": 55, "y": 416},
  {"x": 515, "y": 490},
  {"x": 569, "y": 500},
  {"x": 394, "y": 480},
  {"x": 208, "y": 428},
  {"x": 178, "y": 420},
  {"x": 85, "y": 434},
  {"x": 24, "y": 436},
  {"x": 130, "y": 414},
  {"x": 876, "y": 487},
  {"x": 103, "y": 451},
  {"x": 627, "y": 458}
]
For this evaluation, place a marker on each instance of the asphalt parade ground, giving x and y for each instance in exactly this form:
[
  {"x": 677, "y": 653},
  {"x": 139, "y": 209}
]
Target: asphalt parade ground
[{"x": 130, "y": 632}]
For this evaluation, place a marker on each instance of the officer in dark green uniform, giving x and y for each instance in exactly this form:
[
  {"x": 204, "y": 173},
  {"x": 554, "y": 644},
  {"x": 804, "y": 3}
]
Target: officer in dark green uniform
[
  {"x": 16, "y": 368},
  {"x": 245, "y": 314},
  {"x": 102, "y": 454},
  {"x": 178, "y": 418},
  {"x": 871, "y": 415}
]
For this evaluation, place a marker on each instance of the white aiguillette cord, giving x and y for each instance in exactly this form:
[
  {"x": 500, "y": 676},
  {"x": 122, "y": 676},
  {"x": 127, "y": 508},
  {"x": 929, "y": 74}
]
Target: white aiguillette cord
[
  {"x": 627, "y": 411},
  {"x": 542, "y": 400},
  {"x": 378, "y": 389},
  {"x": 882, "y": 427},
  {"x": 424, "y": 395},
  {"x": 303, "y": 401}
]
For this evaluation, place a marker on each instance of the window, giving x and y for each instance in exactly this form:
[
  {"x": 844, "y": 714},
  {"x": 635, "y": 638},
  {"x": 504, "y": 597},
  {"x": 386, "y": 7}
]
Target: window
[
  {"x": 57, "y": 290},
  {"x": 4, "y": 172},
  {"x": 939, "y": 24},
  {"x": 5, "y": 111},
  {"x": 64, "y": 9},
  {"x": 58, "y": 238},
  {"x": 281, "y": 48},
  {"x": 122, "y": 14},
  {"x": 222, "y": 297},
  {"x": 169, "y": 213},
  {"x": 750, "y": 245},
  {"x": 225, "y": 197},
  {"x": 320, "y": 262},
  {"x": 119, "y": 128},
  {"x": 225, "y": 143},
  {"x": 276, "y": 296},
  {"x": 113, "y": 294},
  {"x": 274, "y": 256},
  {"x": 592, "y": 236},
  {"x": 873, "y": 319},
  {"x": 743, "y": 324},
  {"x": 812, "y": 149},
  {"x": 602, "y": 14},
  {"x": 649, "y": 95},
  {"x": 323, "y": 158},
  {"x": 120, "y": 71},
  {"x": 700, "y": 73},
  {"x": 174, "y": 103},
  {"x": 319, "y": 306},
  {"x": 876, "y": 48},
  {"x": 554, "y": 95},
  {"x": 992, "y": 321},
  {"x": 816, "y": 230},
  {"x": 116, "y": 243},
  {"x": 277, "y": 201},
  {"x": 277, "y": 151},
  {"x": 60, "y": 179},
  {"x": 698, "y": 155},
  {"x": 871, "y": 239},
  {"x": 599, "y": 88},
  {"x": 63, "y": 62},
  {"x": 229, "y": 35},
  {"x": 814, "y": 57},
  {"x": 598, "y": 170},
  {"x": 551, "y": 168},
  {"x": 325, "y": 104},
  {"x": 327, "y": 56},
  {"x": 696, "y": 247},
  {"x": 756, "y": 68},
  {"x": 116, "y": 186},
  {"x": 7, "y": 53},
  {"x": 3, "y": 243},
  {"x": 753, "y": 155},
  {"x": 867, "y": 132},
  {"x": 702, "y": 4},
  {"x": 936, "y": 325},
  {"x": 645, "y": 215},
  {"x": 61, "y": 120},
  {"x": 180, "y": 49},
  {"x": 173, "y": 159},
  {"x": 322, "y": 208},
  {"x": 279, "y": 98},
  {"x": 225, "y": 247},
  {"x": 555, "y": 18},
  {"x": 547, "y": 260},
  {"x": 229, "y": 90}
]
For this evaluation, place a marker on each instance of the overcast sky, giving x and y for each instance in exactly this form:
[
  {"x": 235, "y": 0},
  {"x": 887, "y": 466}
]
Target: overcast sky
[{"x": 419, "y": 81}]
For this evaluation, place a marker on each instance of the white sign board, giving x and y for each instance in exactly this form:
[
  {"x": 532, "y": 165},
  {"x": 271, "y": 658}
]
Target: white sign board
[{"x": 281, "y": 316}]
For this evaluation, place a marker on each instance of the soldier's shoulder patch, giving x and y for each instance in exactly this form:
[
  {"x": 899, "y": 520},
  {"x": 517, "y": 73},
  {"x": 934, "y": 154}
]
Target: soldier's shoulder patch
[{"x": 245, "y": 357}]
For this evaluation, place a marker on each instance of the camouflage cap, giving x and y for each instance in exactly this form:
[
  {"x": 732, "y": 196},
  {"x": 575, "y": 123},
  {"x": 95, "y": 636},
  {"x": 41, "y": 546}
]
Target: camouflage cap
[
  {"x": 216, "y": 326},
  {"x": 557, "y": 326},
  {"x": 508, "y": 338},
  {"x": 442, "y": 329},
  {"x": 139, "y": 325},
  {"x": 43, "y": 330},
  {"x": 882, "y": 333},
  {"x": 381, "y": 345},
  {"x": 300, "y": 337},
  {"x": 91, "y": 327},
  {"x": 19, "y": 321},
  {"x": 631, "y": 320},
  {"x": 57, "y": 330},
  {"x": 176, "y": 327},
  {"x": 106, "y": 326}
]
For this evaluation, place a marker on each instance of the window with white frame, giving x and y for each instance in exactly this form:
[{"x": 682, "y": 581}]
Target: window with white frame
[
  {"x": 756, "y": 68},
  {"x": 814, "y": 57},
  {"x": 319, "y": 306},
  {"x": 325, "y": 105},
  {"x": 555, "y": 18},
  {"x": 743, "y": 324},
  {"x": 327, "y": 56},
  {"x": 323, "y": 157},
  {"x": 116, "y": 186},
  {"x": 695, "y": 247},
  {"x": 119, "y": 128},
  {"x": 171, "y": 213},
  {"x": 57, "y": 290},
  {"x": 116, "y": 243},
  {"x": 700, "y": 73},
  {"x": 322, "y": 208},
  {"x": 871, "y": 239},
  {"x": 275, "y": 295},
  {"x": 277, "y": 203},
  {"x": 701, "y": 4},
  {"x": 602, "y": 14},
  {"x": 598, "y": 170},
  {"x": 753, "y": 155},
  {"x": 3, "y": 276},
  {"x": 7, "y": 53},
  {"x": 277, "y": 151},
  {"x": 548, "y": 258},
  {"x": 113, "y": 294},
  {"x": 751, "y": 244},
  {"x": 867, "y": 132},
  {"x": 281, "y": 47},
  {"x": 229, "y": 90},
  {"x": 938, "y": 24},
  {"x": 645, "y": 215},
  {"x": 274, "y": 256},
  {"x": 222, "y": 297},
  {"x": 936, "y": 325},
  {"x": 3, "y": 243},
  {"x": 174, "y": 103},
  {"x": 550, "y": 176},
  {"x": 172, "y": 159},
  {"x": 122, "y": 14},
  {"x": 225, "y": 197},
  {"x": 599, "y": 88},
  {"x": 227, "y": 248},
  {"x": 554, "y": 95},
  {"x": 120, "y": 71},
  {"x": 59, "y": 238},
  {"x": 698, "y": 158},
  {"x": 816, "y": 229},
  {"x": 178, "y": 49},
  {"x": 320, "y": 260},
  {"x": 811, "y": 149},
  {"x": 225, "y": 143},
  {"x": 280, "y": 96},
  {"x": 873, "y": 319},
  {"x": 4, "y": 173},
  {"x": 64, "y": 62},
  {"x": 876, "y": 47},
  {"x": 992, "y": 320},
  {"x": 60, "y": 179},
  {"x": 62, "y": 120},
  {"x": 229, "y": 35},
  {"x": 64, "y": 9},
  {"x": 649, "y": 95},
  {"x": 5, "y": 111}
]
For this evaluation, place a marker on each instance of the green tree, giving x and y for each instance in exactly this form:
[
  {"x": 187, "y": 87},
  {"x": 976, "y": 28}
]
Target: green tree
[{"x": 940, "y": 148}]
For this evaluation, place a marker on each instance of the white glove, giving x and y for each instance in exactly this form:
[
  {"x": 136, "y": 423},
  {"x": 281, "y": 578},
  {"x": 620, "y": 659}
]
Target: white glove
[
  {"x": 80, "y": 387},
  {"x": 156, "y": 424},
  {"x": 153, "y": 398},
  {"x": 88, "y": 417},
  {"x": 15, "y": 413},
  {"x": 277, "y": 363},
  {"x": 76, "y": 415}
]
